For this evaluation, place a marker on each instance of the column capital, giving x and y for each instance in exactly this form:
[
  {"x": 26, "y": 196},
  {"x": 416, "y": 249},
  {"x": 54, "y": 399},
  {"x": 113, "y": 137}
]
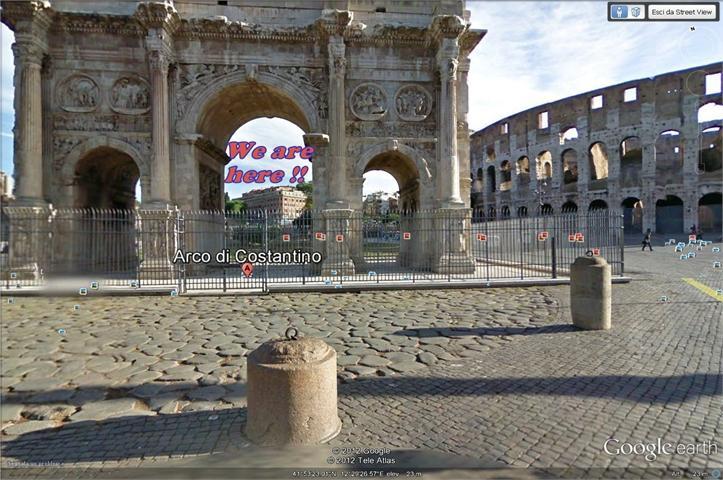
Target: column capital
[
  {"x": 448, "y": 69},
  {"x": 28, "y": 53},
  {"x": 158, "y": 60},
  {"x": 158, "y": 15},
  {"x": 333, "y": 22},
  {"x": 337, "y": 57},
  {"x": 445, "y": 27}
]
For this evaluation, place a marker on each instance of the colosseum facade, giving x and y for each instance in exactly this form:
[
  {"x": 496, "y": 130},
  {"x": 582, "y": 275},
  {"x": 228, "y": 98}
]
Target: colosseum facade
[{"x": 649, "y": 147}]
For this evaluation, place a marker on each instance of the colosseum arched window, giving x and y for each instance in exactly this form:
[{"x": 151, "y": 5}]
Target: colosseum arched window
[
  {"x": 523, "y": 171},
  {"x": 569, "y": 207},
  {"x": 505, "y": 176},
  {"x": 710, "y": 112},
  {"x": 569, "y": 169},
  {"x": 710, "y": 215},
  {"x": 631, "y": 162},
  {"x": 710, "y": 119},
  {"x": 490, "y": 152},
  {"x": 544, "y": 165},
  {"x": 598, "y": 204},
  {"x": 545, "y": 209},
  {"x": 632, "y": 214},
  {"x": 491, "y": 179},
  {"x": 567, "y": 135},
  {"x": 668, "y": 158},
  {"x": 598, "y": 160},
  {"x": 709, "y": 153},
  {"x": 669, "y": 215}
]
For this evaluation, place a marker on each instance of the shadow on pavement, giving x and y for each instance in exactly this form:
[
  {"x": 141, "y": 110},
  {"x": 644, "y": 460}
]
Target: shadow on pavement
[
  {"x": 204, "y": 432},
  {"x": 453, "y": 332}
]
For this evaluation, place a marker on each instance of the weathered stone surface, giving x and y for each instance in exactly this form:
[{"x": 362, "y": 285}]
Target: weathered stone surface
[
  {"x": 292, "y": 393},
  {"x": 10, "y": 411},
  {"x": 374, "y": 361},
  {"x": 206, "y": 393},
  {"x": 29, "y": 426},
  {"x": 104, "y": 409},
  {"x": 55, "y": 412}
]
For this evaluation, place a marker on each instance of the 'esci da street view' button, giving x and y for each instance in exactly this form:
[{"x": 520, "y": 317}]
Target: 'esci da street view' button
[{"x": 683, "y": 11}]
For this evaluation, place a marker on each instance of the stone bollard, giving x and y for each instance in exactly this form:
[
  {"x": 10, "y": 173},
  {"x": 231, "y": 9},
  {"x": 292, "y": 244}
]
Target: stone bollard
[
  {"x": 590, "y": 293},
  {"x": 291, "y": 392}
]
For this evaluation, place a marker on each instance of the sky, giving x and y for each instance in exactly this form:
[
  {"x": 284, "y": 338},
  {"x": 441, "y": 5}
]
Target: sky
[{"x": 533, "y": 53}]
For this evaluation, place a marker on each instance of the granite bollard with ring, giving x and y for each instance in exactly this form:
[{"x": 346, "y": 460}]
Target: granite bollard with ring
[
  {"x": 291, "y": 392},
  {"x": 590, "y": 293}
]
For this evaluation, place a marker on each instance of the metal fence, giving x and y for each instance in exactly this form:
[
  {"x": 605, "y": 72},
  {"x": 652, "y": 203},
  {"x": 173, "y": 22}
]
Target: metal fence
[{"x": 207, "y": 250}]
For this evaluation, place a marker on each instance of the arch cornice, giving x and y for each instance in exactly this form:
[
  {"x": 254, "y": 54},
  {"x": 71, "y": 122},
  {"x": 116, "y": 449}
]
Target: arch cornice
[
  {"x": 418, "y": 157},
  {"x": 192, "y": 115},
  {"x": 98, "y": 141}
]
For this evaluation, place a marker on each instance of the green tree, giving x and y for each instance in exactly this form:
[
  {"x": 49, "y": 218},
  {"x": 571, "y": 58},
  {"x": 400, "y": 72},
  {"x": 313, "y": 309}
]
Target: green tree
[
  {"x": 234, "y": 206},
  {"x": 308, "y": 190}
]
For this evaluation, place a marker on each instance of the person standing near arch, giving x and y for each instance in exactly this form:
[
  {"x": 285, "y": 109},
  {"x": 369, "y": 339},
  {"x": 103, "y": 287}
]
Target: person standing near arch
[{"x": 646, "y": 240}]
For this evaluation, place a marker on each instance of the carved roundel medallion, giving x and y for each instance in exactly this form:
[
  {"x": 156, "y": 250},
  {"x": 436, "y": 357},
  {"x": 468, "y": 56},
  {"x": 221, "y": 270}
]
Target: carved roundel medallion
[
  {"x": 78, "y": 93},
  {"x": 368, "y": 102},
  {"x": 413, "y": 103},
  {"x": 130, "y": 95}
]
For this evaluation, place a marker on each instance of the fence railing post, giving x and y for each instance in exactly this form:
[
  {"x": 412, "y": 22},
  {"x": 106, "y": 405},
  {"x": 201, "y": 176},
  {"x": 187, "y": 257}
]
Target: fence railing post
[
  {"x": 265, "y": 286},
  {"x": 554, "y": 257},
  {"x": 622, "y": 246}
]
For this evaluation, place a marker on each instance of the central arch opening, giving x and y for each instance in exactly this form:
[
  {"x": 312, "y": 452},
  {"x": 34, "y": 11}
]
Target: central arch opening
[
  {"x": 106, "y": 178},
  {"x": 265, "y": 117},
  {"x": 106, "y": 183},
  {"x": 249, "y": 186},
  {"x": 391, "y": 192}
]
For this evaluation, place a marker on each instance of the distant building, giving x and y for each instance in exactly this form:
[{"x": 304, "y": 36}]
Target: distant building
[
  {"x": 380, "y": 203},
  {"x": 6, "y": 197},
  {"x": 6, "y": 187},
  {"x": 286, "y": 200}
]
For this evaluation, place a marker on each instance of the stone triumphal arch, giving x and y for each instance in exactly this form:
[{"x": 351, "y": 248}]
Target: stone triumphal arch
[{"x": 113, "y": 92}]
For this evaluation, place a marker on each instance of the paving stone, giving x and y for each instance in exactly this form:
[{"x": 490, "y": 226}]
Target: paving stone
[
  {"x": 29, "y": 426},
  {"x": 147, "y": 390},
  {"x": 380, "y": 345},
  {"x": 51, "y": 396},
  {"x": 397, "y": 357},
  {"x": 159, "y": 401},
  {"x": 359, "y": 370},
  {"x": 38, "y": 384},
  {"x": 345, "y": 360},
  {"x": 206, "y": 393},
  {"x": 173, "y": 406},
  {"x": 104, "y": 409},
  {"x": 361, "y": 351},
  {"x": 374, "y": 361},
  {"x": 55, "y": 412},
  {"x": 204, "y": 406},
  {"x": 10, "y": 411},
  {"x": 86, "y": 395},
  {"x": 427, "y": 358},
  {"x": 164, "y": 365},
  {"x": 405, "y": 366},
  {"x": 143, "y": 377}
]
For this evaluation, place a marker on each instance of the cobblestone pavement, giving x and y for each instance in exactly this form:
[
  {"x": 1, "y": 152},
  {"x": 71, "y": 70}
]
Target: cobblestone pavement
[{"x": 493, "y": 374}]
